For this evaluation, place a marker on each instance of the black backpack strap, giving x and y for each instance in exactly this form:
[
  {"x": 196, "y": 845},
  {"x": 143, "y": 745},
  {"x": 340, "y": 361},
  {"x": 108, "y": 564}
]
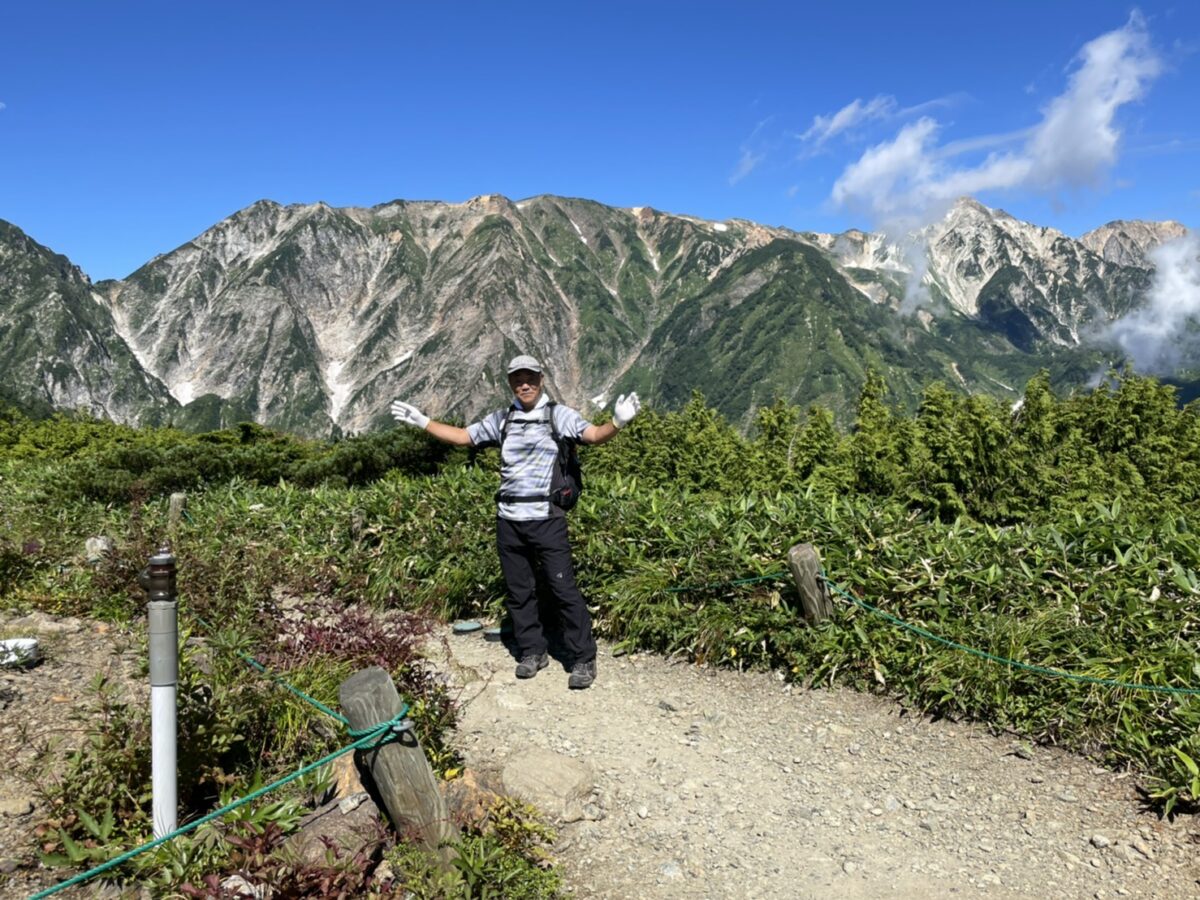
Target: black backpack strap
[
  {"x": 504, "y": 428},
  {"x": 564, "y": 444}
]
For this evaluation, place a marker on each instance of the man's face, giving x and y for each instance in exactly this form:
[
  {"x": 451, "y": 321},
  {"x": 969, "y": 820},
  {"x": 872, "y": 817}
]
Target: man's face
[{"x": 527, "y": 386}]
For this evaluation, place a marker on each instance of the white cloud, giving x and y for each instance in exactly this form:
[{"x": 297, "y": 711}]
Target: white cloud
[
  {"x": 912, "y": 179},
  {"x": 3, "y": 106},
  {"x": 1155, "y": 337},
  {"x": 754, "y": 150},
  {"x": 746, "y": 165},
  {"x": 855, "y": 113}
]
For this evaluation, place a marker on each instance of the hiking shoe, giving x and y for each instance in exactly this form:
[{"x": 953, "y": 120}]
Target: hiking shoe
[
  {"x": 531, "y": 664},
  {"x": 582, "y": 675}
]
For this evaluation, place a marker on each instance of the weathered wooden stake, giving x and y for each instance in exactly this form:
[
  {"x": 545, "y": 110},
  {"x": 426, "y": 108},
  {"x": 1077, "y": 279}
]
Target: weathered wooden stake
[
  {"x": 399, "y": 768},
  {"x": 175, "y": 510},
  {"x": 805, "y": 563}
]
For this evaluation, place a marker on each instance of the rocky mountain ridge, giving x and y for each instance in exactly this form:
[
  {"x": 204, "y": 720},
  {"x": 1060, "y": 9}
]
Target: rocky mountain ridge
[{"x": 312, "y": 318}]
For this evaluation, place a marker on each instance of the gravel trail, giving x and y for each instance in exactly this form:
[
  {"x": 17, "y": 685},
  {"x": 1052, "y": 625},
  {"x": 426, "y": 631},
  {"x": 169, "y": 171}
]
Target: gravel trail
[{"x": 714, "y": 783}]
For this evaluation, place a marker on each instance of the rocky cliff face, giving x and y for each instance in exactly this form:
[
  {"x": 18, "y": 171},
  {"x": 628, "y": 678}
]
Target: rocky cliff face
[
  {"x": 1127, "y": 243},
  {"x": 58, "y": 343},
  {"x": 307, "y": 316},
  {"x": 1032, "y": 284},
  {"x": 312, "y": 318}
]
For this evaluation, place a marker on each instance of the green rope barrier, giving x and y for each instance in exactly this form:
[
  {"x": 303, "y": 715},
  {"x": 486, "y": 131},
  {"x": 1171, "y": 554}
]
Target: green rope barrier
[
  {"x": 916, "y": 629},
  {"x": 990, "y": 657},
  {"x": 376, "y": 734},
  {"x": 696, "y": 588},
  {"x": 255, "y": 664}
]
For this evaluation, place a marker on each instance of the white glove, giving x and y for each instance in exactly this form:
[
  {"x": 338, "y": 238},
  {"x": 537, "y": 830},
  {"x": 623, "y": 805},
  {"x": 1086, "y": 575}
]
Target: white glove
[
  {"x": 626, "y": 408},
  {"x": 407, "y": 414}
]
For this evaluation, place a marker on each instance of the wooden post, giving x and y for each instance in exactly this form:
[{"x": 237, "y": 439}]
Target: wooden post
[
  {"x": 175, "y": 510},
  {"x": 398, "y": 767},
  {"x": 815, "y": 600}
]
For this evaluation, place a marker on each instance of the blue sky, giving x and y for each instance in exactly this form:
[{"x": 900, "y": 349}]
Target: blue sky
[{"x": 128, "y": 128}]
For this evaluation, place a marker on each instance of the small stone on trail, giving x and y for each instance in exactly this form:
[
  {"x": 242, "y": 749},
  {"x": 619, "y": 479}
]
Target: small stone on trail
[
  {"x": 671, "y": 871},
  {"x": 1099, "y": 841},
  {"x": 18, "y": 652},
  {"x": 592, "y": 812},
  {"x": 1125, "y": 852},
  {"x": 1142, "y": 847},
  {"x": 643, "y": 812},
  {"x": 14, "y": 808}
]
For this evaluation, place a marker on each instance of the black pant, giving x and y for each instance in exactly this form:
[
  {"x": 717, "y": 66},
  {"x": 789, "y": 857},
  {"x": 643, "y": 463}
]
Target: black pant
[{"x": 543, "y": 543}]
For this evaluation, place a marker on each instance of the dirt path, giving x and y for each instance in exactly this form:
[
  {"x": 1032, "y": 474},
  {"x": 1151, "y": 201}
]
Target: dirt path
[
  {"x": 719, "y": 784},
  {"x": 50, "y": 706}
]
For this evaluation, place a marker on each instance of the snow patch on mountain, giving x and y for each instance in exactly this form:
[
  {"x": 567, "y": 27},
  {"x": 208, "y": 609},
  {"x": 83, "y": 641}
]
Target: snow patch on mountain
[{"x": 579, "y": 232}]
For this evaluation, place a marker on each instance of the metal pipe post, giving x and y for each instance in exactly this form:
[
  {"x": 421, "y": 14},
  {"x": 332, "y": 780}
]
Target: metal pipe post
[{"x": 158, "y": 581}]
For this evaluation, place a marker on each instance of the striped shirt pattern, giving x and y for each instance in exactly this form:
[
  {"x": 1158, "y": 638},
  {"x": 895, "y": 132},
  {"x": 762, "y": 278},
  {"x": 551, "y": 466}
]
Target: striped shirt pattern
[{"x": 527, "y": 464}]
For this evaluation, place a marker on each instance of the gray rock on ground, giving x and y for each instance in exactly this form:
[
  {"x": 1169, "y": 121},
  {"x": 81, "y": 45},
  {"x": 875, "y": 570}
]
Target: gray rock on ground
[
  {"x": 41, "y": 623},
  {"x": 350, "y": 823},
  {"x": 556, "y": 784},
  {"x": 97, "y": 548}
]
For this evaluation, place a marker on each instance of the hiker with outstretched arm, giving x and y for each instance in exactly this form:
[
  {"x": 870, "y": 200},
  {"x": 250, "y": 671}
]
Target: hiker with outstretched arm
[{"x": 538, "y": 484}]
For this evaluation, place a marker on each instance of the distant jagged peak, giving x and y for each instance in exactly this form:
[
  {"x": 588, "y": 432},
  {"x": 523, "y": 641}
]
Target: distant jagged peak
[
  {"x": 266, "y": 204},
  {"x": 490, "y": 203},
  {"x": 644, "y": 214},
  {"x": 1134, "y": 227},
  {"x": 967, "y": 213},
  {"x": 14, "y": 241},
  {"x": 858, "y": 249},
  {"x": 969, "y": 206},
  {"x": 1126, "y": 242},
  {"x": 15, "y": 236}
]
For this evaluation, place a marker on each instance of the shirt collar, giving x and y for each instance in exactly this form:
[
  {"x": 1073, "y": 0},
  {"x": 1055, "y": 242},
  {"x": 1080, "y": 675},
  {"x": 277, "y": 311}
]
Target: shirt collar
[{"x": 542, "y": 401}]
